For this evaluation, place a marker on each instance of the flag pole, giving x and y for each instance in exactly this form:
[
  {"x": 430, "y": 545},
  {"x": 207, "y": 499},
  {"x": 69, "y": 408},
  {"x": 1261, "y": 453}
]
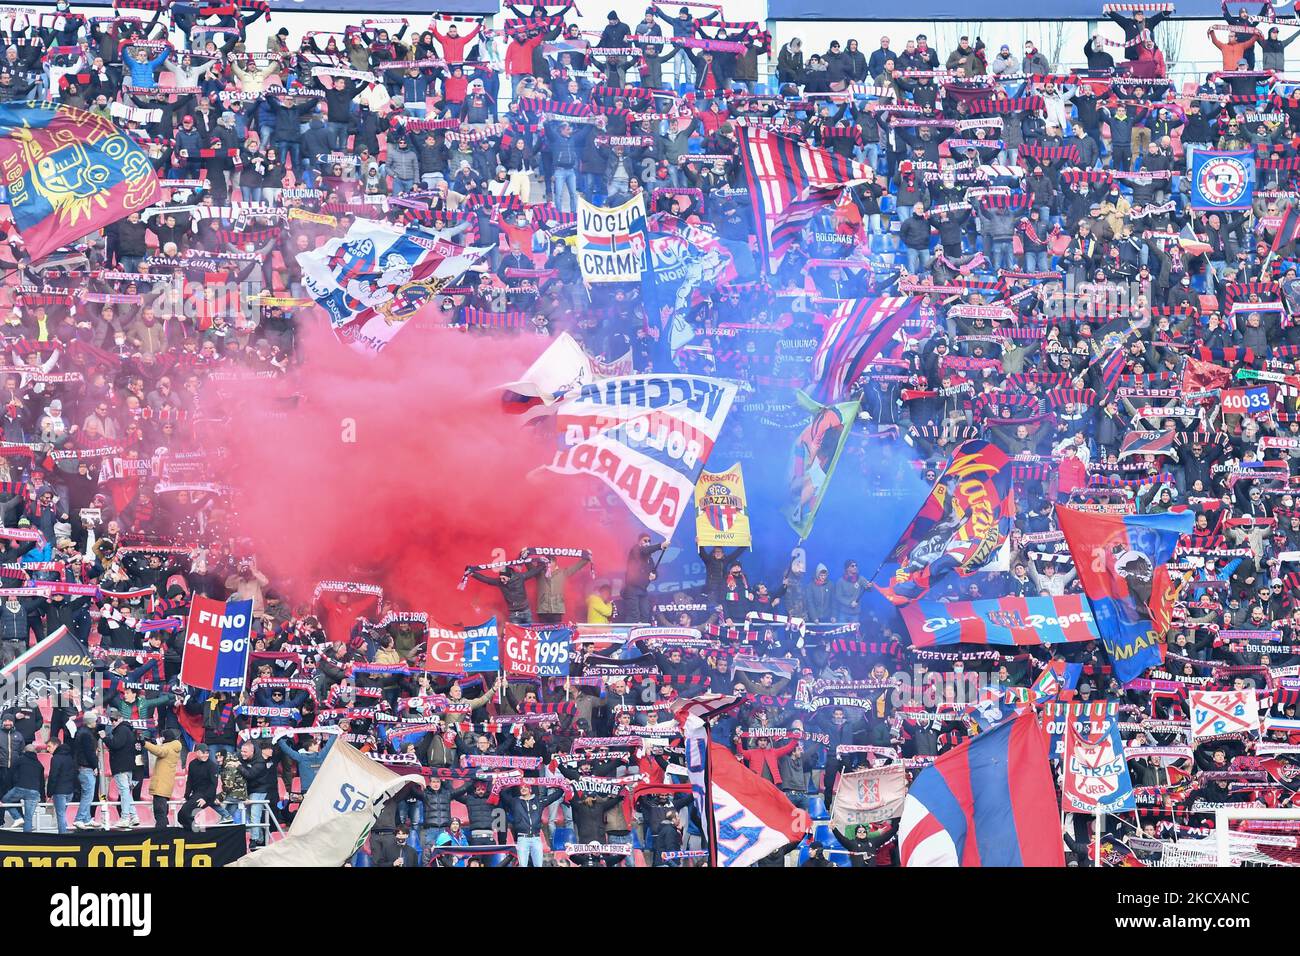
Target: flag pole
[{"x": 710, "y": 824}]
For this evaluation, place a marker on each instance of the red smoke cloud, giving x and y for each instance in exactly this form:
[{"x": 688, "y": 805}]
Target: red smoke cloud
[{"x": 435, "y": 479}]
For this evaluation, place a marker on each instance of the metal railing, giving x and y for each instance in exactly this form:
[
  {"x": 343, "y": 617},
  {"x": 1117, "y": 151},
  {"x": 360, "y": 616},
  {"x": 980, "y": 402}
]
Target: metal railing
[{"x": 103, "y": 804}]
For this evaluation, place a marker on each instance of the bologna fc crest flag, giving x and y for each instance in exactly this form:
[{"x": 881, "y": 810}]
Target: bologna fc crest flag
[
  {"x": 747, "y": 817},
  {"x": 721, "y": 520},
  {"x": 988, "y": 802},
  {"x": 471, "y": 650},
  {"x": 869, "y": 796},
  {"x": 1122, "y": 562},
  {"x": 378, "y": 276},
  {"x": 960, "y": 527},
  {"x": 216, "y": 644},
  {"x": 69, "y": 173},
  {"x": 1223, "y": 180},
  {"x": 1007, "y": 620},
  {"x": 1094, "y": 774},
  {"x": 816, "y": 452},
  {"x": 647, "y": 437}
]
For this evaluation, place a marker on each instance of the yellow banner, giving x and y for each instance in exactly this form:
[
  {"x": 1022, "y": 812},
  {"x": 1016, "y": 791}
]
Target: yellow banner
[
  {"x": 317, "y": 217},
  {"x": 721, "y": 518}
]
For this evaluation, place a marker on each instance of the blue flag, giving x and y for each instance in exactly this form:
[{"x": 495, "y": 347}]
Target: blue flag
[{"x": 1223, "y": 180}]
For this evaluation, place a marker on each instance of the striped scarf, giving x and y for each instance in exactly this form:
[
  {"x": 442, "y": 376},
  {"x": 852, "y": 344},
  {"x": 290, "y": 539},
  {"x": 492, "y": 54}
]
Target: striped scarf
[
  {"x": 494, "y": 320},
  {"x": 231, "y": 237},
  {"x": 1012, "y": 104},
  {"x": 524, "y": 27},
  {"x": 1049, "y": 153}
]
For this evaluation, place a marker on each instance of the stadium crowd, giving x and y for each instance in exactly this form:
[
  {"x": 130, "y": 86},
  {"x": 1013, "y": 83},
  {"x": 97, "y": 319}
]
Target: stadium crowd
[{"x": 1075, "y": 310}]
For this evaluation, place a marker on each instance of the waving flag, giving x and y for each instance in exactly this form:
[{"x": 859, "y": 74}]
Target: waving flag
[
  {"x": 960, "y": 527},
  {"x": 747, "y": 817},
  {"x": 1056, "y": 678},
  {"x": 1122, "y": 562},
  {"x": 858, "y": 332},
  {"x": 470, "y": 650},
  {"x": 1109, "y": 366},
  {"x": 69, "y": 173},
  {"x": 988, "y": 802},
  {"x": 1006, "y": 620},
  {"x": 647, "y": 437},
  {"x": 375, "y": 278},
  {"x": 816, "y": 452},
  {"x": 684, "y": 263},
  {"x": 338, "y": 810},
  {"x": 789, "y": 183}
]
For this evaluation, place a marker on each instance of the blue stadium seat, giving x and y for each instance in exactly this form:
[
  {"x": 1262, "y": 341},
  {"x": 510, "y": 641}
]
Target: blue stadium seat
[
  {"x": 762, "y": 89},
  {"x": 888, "y": 203},
  {"x": 804, "y": 852},
  {"x": 823, "y": 834},
  {"x": 361, "y": 858},
  {"x": 563, "y": 837},
  {"x": 817, "y": 806},
  {"x": 685, "y": 88}
]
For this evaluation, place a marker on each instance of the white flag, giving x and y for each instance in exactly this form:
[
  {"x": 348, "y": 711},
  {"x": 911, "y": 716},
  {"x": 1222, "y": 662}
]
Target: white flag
[
  {"x": 563, "y": 367},
  {"x": 336, "y": 814}
]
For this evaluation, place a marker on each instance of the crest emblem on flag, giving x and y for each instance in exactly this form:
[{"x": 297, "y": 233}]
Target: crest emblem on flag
[
  {"x": 721, "y": 507},
  {"x": 1007, "y": 619},
  {"x": 1222, "y": 180}
]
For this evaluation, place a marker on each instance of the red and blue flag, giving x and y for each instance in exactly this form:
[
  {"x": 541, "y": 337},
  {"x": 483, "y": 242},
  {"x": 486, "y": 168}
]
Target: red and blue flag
[
  {"x": 961, "y": 525},
  {"x": 216, "y": 644},
  {"x": 989, "y": 802},
  {"x": 1123, "y": 565},
  {"x": 858, "y": 333},
  {"x": 1006, "y": 620},
  {"x": 69, "y": 172}
]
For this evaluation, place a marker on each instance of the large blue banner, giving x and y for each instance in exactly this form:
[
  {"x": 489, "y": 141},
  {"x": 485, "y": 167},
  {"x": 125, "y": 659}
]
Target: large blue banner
[{"x": 1223, "y": 180}]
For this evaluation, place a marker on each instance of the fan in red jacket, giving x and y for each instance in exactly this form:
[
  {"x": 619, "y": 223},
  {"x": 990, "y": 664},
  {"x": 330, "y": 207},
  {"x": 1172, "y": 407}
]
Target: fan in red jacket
[{"x": 763, "y": 758}]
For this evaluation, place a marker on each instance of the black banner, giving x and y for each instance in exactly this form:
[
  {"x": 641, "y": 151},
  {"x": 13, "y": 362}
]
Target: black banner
[{"x": 129, "y": 848}]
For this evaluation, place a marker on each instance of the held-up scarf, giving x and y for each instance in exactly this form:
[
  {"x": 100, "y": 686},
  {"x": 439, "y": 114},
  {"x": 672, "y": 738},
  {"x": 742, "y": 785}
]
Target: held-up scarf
[{"x": 526, "y": 555}]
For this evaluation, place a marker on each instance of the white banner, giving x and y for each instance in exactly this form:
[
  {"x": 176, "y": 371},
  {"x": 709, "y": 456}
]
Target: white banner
[
  {"x": 869, "y": 796},
  {"x": 337, "y": 812},
  {"x": 611, "y": 241},
  {"x": 645, "y": 436}
]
